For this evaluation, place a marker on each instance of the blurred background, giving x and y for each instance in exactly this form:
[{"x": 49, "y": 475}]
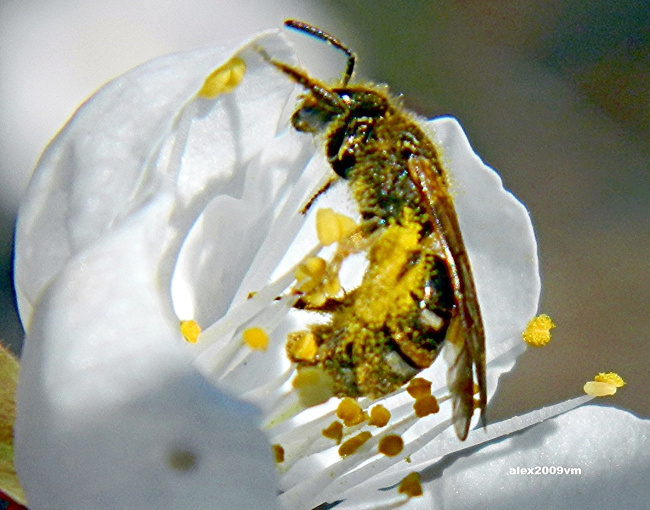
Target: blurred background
[{"x": 553, "y": 94}]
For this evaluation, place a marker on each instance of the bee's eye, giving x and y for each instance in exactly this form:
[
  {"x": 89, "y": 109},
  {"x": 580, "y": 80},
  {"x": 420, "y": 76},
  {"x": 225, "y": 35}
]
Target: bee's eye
[{"x": 308, "y": 119}]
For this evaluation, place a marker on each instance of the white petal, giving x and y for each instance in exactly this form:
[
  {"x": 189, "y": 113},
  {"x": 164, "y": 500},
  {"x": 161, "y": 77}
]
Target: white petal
[
  {"x": 108, "y": 394},
  {"x": 144, "y": 133},
  {"x": 607, "y": 445},
  {"x": 589, "y": 457}
]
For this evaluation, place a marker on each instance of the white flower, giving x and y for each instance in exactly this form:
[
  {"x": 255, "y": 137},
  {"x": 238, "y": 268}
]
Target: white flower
[{"x": 156, "y": 203}]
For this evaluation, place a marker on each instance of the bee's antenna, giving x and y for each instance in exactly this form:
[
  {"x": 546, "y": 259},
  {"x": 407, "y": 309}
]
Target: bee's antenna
[
  {"x": 320, "y": 91},
  {"x": 329, "y": 39}
]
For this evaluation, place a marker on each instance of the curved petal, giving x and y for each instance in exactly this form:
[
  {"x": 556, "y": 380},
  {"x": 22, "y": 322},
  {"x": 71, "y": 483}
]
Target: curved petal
[
  {"x": 145, "y": 133},
  {"x": 111, "y": 410},
  {"x": 589, "y": 457},
  {"x": 608, "y": 446}
]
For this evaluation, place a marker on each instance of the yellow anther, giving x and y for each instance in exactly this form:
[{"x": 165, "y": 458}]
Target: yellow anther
[
  {"x": 190, "y": 331},
  {"x": 301, "y": 346},
  {"x": 256, "y": 338},
  {"x": 278, "y": 453},
  {"x": 334, "y": 431},
  {"x": 604, "y": 385},
  {"x": 379, "y": 416},
  {"x": 419, "y": 387},
  {"x": 223, "y": 79},
  {"x": 411, "y": 485},
  {"x": 391, "y": 445},
  {"x": 354, "y": 443},
  {"x": 611, "y": 378},
  {"x": 425, "y": 406},
  {"x": 538, "y": 331},
  {"x": 332, "y": 227},
  {"x": 350, "y": 412}
]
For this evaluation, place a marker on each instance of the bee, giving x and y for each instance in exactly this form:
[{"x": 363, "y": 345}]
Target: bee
[{"x": 417, "y": 291}]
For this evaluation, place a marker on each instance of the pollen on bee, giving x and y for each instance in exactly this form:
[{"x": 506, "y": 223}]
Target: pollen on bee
[
  {"x": 411, "y": 485},
  {"x": 190, "y": 330},
  {"x": 379, "y": 416},
  {"x": 334, "y": 431},
  {"x": 391, "y": 445},
  {"x": 538, "y": 331},
  {"x": 332, "y": 227},
  {"x": 256, "y": 338},
  {"x": 301, "y": 346},
  {"x": 604, "y": 384},
  {"x": 419, "y": 387},
  {"x": 314, "y": 386},
  {"x": 425, "y": 405},
  {"x": 354, "y": 443},
  {"x": 224, "y": 79},
  {"x": 278, "y": 453},
  {"x": 350, "y": 412}
]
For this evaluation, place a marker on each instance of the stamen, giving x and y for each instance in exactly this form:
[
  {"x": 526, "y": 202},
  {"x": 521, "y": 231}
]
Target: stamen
[
  {"x": 278, "y": 453},
  {"x": 190, "y": 330},
  {"x": 223, "y": 79},
  {"x": 334, "y": 431},
  {"x": 538, "y": 331},
  {"x": 425, "y": 406},
  {"x": 604, "y": 385},
  {"x": 411, "y": 485},
  {"x": 350, "y": 412},
  {"x": 354, "y": 443},
  {"x": 256, "y": 338},
  {"x": 301, "y": 346},
  {"x": 379, "y": 416},
  {"x": 391, "y": 445},
  {"x": 611, "y": 378},
  {"x": 419, "y": 387},
  {"x": 332, "y": 227}
]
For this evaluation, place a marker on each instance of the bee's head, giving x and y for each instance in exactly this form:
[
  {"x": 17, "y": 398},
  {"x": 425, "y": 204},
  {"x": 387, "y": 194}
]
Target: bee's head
[{"x": 313, "y": 115}]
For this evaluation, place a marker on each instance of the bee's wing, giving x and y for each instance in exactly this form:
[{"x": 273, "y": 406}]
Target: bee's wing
[{"x": 465, "y": 334}]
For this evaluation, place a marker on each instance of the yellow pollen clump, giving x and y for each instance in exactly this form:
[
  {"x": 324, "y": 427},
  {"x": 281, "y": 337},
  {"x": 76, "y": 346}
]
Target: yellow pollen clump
[
  {"x": 301, "y": 346},
  {"x": 538, "y": 331},
  {"x": 334, "y": 431},
  {"x": 190, "y": 331},
  {"x": 332, "y": 227},
  {"x": 611, "y": 378},
  {"x": 379, "y": 416},
  {"x": 312, "y": 280},
  {"x": 392, "y": 280},
  {"x": 350, "y": 412},
  {"x": 419, "y": 387},
  {"x": 425, "y": 406},
  {"x": 256, "y": 339},
  {"x": 411, "y": 485},
  {"x": 604, "y": 385},
  {"x": 354, "y": 443},
  {"x": 223, "y": 79},
  {"x": 278, "y": 453},
  {"x": 313, "y": 385},
  {"x": 391, "y": 445},
  {"x": 312, "y": 269}
]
